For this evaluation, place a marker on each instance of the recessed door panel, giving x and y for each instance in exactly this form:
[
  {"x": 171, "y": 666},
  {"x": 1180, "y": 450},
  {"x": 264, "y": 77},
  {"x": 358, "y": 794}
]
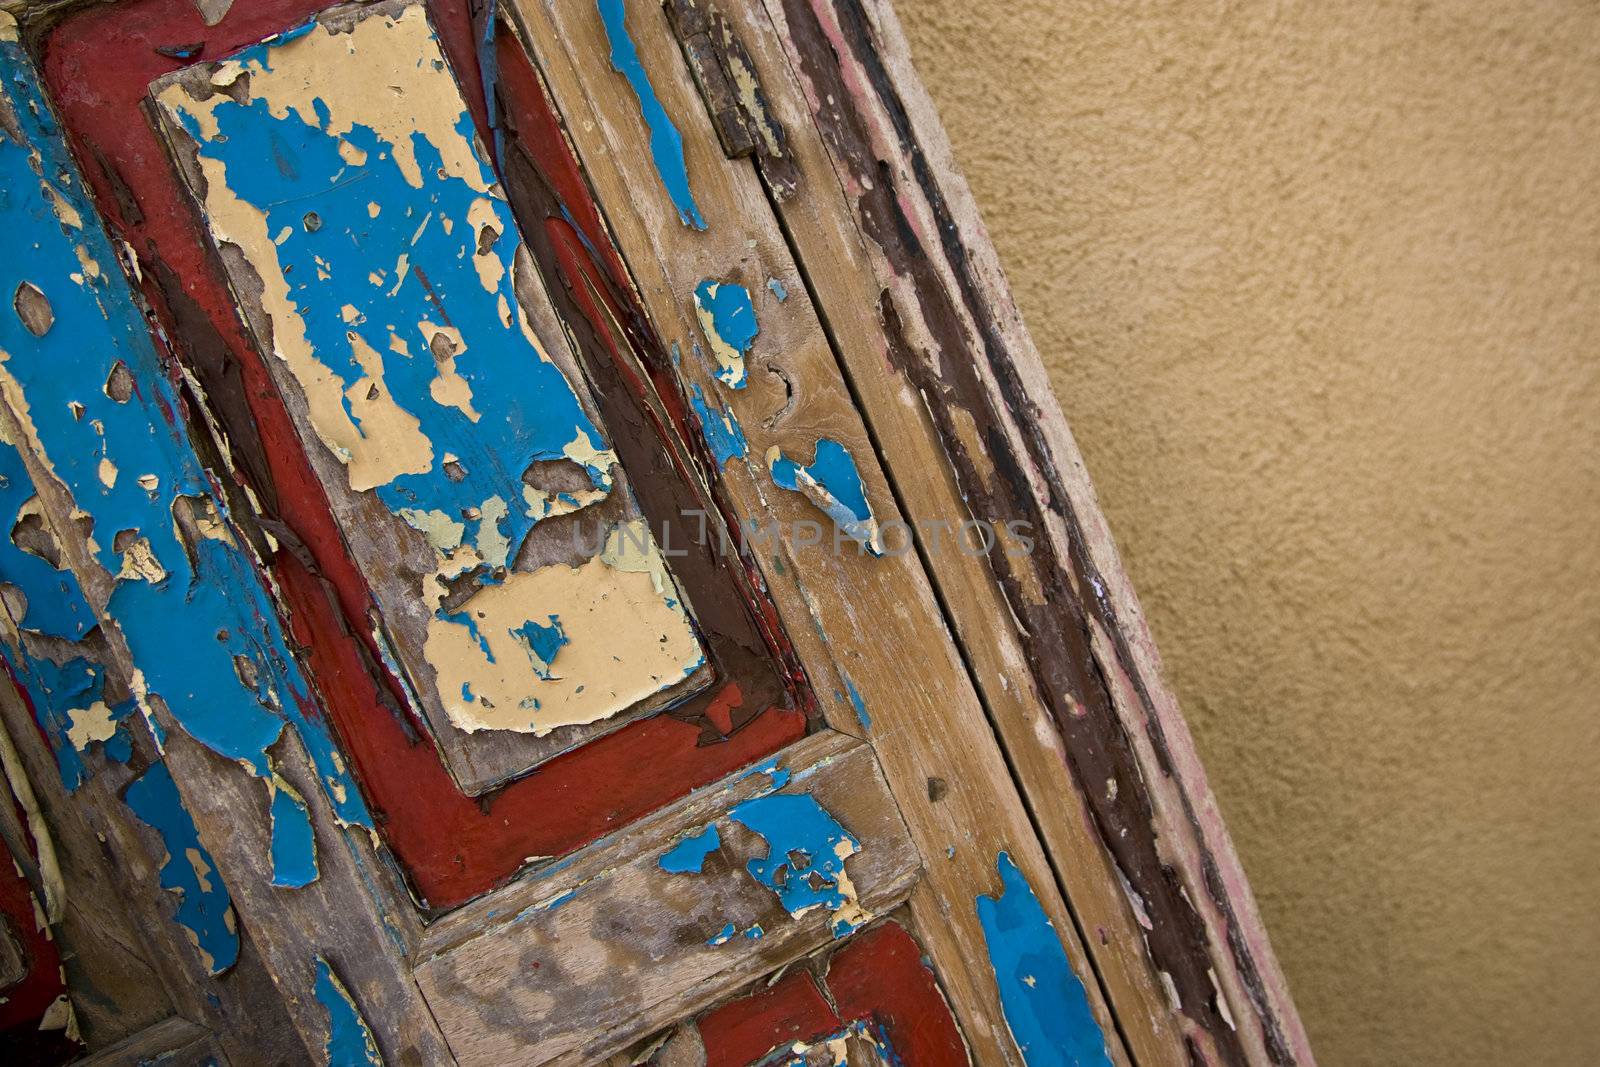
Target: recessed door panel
[{"x": 372, "y": 254}]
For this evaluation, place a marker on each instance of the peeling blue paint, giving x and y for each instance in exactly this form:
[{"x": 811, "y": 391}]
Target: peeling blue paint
[
  {"x": 723, "y": 434},
  {"x": 54, "y": 691},
  {"x": 857, "y": 703},
  {"x": 666, "y": 144},
  {"x": 779, "y": 290},
  {"x": 294, "y": 845},
  {"x": 868, "y": 1030},
  {"x": 205, "y": 908},
  {"x": 52, "y": 605},
  {"x": 723, "y": 936},
  {"x": 196, "y": 618},
  {"x": 806, "y": 853},
  {"x": 414, "y": 247},
  {"x": 1045, "y": 1005},
  {"x": 523, "y": 408},
  {"x": 350, "y": 1042},
  {"x": 689, "y": 855},
  {"x": 543, "y": 642},
  {"x": 778, "y": 775},
  {"x": 55, "y": 603},
  {"x": 833, "y": 483},
  {"x": 555, "y": 902},
  {"x": 728, "y": 317}
]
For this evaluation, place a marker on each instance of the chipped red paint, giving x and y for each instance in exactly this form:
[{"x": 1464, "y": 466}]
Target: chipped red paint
[
  {"x": 742, "y": 1031},
  {"x": 877, "y": 977},
  {"x": 880, "y": 975},
  {"x": 451, "y": 846}
]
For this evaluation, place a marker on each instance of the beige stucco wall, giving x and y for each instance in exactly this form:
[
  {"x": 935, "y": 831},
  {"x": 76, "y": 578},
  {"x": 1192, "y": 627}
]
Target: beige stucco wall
[{"x": 1319, "y": 289}]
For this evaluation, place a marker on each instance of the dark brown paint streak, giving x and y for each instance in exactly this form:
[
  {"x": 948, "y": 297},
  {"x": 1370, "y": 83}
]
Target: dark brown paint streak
[
  {"x": 635, "y": 387},
  {"x": 1059, "y": 632}
]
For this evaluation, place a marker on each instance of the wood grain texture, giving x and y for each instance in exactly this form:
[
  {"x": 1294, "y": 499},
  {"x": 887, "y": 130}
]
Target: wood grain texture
[
  {"x": 955, "y": 337},
  {"x": 129, "y": 964},
  {"x": 572, "y": 966},
  {"x": 889, "y": 330},
  {"x": 835, "y": 233},
  {"x": 355, "y": 910},
  {"x": 173, "y": 1042},
  {"x": 861, "y": 625}
]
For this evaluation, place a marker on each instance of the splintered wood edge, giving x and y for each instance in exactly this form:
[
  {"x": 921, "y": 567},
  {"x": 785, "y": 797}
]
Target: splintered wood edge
[
  {"x": 843, "y": 275},
  {"x": 1187, "y": 823}
]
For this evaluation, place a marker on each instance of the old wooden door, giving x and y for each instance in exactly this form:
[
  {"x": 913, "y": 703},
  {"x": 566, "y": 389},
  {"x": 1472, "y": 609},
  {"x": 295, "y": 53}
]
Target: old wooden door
[{"x": 534, "y": 535}]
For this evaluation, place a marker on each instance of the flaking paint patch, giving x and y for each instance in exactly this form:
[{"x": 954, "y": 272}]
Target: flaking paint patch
[
  {"x": 666, "y": 143},
  {"x": 52, "y": 601},
  {"x": 294, "y": 844},
  {"x": 350, "y": 1042},
  {"x": 490, "y": 678},
  {"x": 205, "y": 909},
  {"x": 87, "y": 725},
  {"x": 723, "y": 434},
  {"x": 833, "y": 483},
  {"x": 857, "y": 703},
  {"x": 835, "y": 1047},
  {"x": 190, "y": 625},
  {"x": 1045, "y": 1006},
  {"x": 689, "y": 855},
  {"x": 445, "y": 425},
  {"x": 805, "y": 861},
  {"x": 728, "y": 320}
]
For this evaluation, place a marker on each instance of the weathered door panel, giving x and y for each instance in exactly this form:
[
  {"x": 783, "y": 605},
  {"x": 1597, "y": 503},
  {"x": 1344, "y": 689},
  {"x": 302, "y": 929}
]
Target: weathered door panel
[
  {"x": 369, "y": 269},
  {"x": 679, "y": 910},
  {"x": 503, "y": 577},
  {"x": 451, "y": 846}
]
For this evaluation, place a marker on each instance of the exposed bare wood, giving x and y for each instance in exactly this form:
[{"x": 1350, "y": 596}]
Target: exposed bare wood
[
  {"x": 354, "y": 912},
  {"x": 997, "y": 731},
  {"x": 633, "y": 934},
  {"x": 129, "y": 964},
  {"x": 173, "y": 1042},
  {"x": 862, "y": 624},
  {"x": 844, "y": 277},
  {"x": 955, "y": 337}
]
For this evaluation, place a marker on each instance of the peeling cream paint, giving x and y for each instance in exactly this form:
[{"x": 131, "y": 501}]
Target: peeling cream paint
[
  {"x": 489, "y": 677},
  {"x": 139, "y": 562},
  {"x": 751, "y": 100},
  {"x": 447, "y": 441},
  {"x": 91, "y": 724},
  {"x": 727, "y": 318},
  {"x": 382, "y": 441}
]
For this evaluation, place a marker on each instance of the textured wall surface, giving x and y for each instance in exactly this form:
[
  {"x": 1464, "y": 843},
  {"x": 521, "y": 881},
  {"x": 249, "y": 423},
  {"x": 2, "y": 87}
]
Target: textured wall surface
[{"x": 1319, "y": 289}]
